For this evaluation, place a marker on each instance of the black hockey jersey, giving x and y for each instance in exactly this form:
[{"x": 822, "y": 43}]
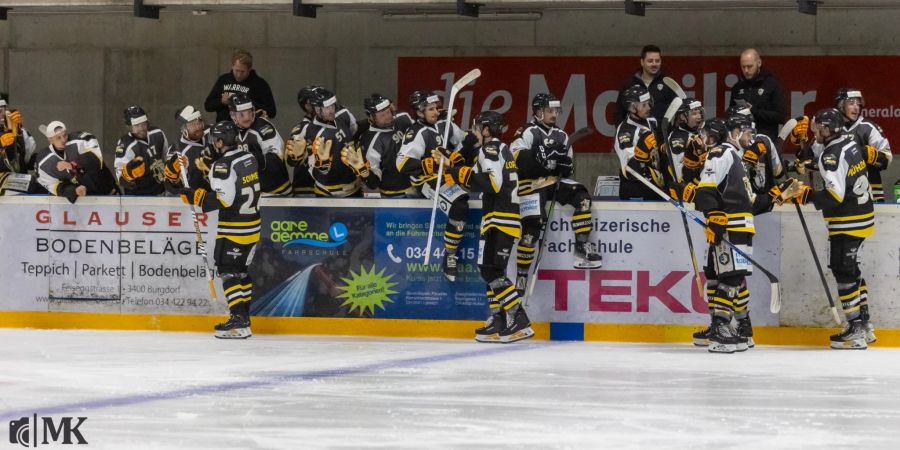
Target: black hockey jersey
[
  {"x": 234, "y": 180},
  {"x": 418, "y": 142},
  {"x": 846, "y": 201},
  {"x": 197, "y": 171},
  {"x": 532, "y": 175},
  {"x": 629, "y": 135},
  {"x": 337, "y": 180},
  {"x": 301, "y": 178},
  {"x": 82, "y": 151},
  {"x": 495, "y": 176},
  {"x": 380, "y": 146},
  {"x": 263, "y": 142},
  {"x": 865, "y": 133},
  {"x": 724, "y": 186},
  {"x": 151, "y": 151}
]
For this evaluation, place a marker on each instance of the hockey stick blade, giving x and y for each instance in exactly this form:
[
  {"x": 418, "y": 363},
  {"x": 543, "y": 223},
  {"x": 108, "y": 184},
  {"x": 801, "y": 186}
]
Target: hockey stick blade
[
  {"x": 471, "y": 76},
  {"x": 775, "y": 301},
  {"x": 773, "y": 280},
  {"x": 785, "y": 132},
  {"x": 673, "y": 109},
  {"x": 673, "y": 85}
]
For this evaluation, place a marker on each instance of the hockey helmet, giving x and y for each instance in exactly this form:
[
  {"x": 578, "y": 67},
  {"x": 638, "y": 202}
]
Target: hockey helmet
[
  {"x": 831, "y": 119},
  {"x": 716, "y": 129},
  {"x": 240, "y": 102},
  {"x": 844, "y": 94},
  {"x": 636, "y": 94},
  {"x": 419, "y": 100},
  {"x": 225, "y": 130},
  {"x": 375, "y": 103},
  {"x": 492, "y": 120},
  {"x": 324, "y": 98},
  {"x": 187, "y": 114},
  {"x": 306, "y": 95},
  {"x": 544, "y": 100},
  {"x": 135, "y": 115}
]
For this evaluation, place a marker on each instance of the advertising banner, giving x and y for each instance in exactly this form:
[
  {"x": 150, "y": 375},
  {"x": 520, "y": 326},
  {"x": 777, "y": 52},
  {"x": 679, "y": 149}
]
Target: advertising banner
[{"x": 588, "y": 86}]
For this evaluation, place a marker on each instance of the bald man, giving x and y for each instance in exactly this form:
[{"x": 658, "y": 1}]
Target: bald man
[{"x": 759, "y": 90}]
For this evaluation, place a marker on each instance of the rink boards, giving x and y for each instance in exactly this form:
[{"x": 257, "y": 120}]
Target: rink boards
[{"x": 355, "y": 267}]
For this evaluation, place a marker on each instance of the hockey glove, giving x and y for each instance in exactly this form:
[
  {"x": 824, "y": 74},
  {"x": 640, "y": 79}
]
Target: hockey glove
[
  {"x": 172, "y": 170},
  {"x": 548, "y": 155},
  {"x": 800, "y": 133},
  {"x": 785, "y": 191},
  {"x": 802, "y": 196},
  {"x": 321, "y": 150},
  {"x": 871, "y": 155},
  {"x": 193, "y": 196},
  {"x": 715, "y": 226},
  {"x": 428, "y": 166},
  {"x": 134, "y": 169},
  {"x": 689, "y": 192},
  {"x": 295, "y": 149},
  {"x": 461, "y": 175},
  {"x": 7, "y": 139},
  {"x": 205, "y": 161},
  {"x": 564, "y": 166},
  {"x": 352, "y": 156},
  {"x": 754, "y": 153},
  {"x": 645, "y": 147}
]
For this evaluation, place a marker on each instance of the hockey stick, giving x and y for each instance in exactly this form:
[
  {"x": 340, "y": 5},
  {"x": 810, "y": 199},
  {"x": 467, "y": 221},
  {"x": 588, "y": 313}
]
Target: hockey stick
[
  {"x": 775, "y": 300},
  {"x": 667, "y": 120},
  {"x": 461, "y": 83},
  {"x": 201, "y": 244},
  {"x": 673, "y": 85},
  {"x": 782, "y": 135},
  {"x": 532, "y": 279}
]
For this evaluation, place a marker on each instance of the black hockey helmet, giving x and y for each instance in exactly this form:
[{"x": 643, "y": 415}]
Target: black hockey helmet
[
  {"x": 544, "y": 100},
  {"x": 240, "y": 102},
  {"x": 844, "y": 94},
  {"x": 831, "y": 119},
  {"x": 689, "y": 104},
  {"x": 375, "y": 103},
  {"x": 324, "y": 98},
  {"x": 492, "y": 120},
  {"x": 717, "y": 129},
  {"x": 306, "y": 94},
  {"x": 225, "y": 130},
  {"x": 737, "y": 110},
  {"x": 636, "y": 94},
  {"x": 738, "y": 122},
  {"x": 419, "y": 100},
  {"x": 135, "y": 115}
]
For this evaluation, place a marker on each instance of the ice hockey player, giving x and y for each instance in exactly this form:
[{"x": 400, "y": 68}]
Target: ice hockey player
[
  {"x": 722, "y": 195},
  {"x": 494, "y": 175},
  {"x": 846, "y": 204},
  {"x": 191, "y": 149},
  {"x": 325, "y": 138},
  {"x": 295, "y": 148},
  {"x": 17, "y": 146},
  {"x": 72, "y": 165},
  {"x": 235, "y": 193},
  {"x": 140, "y": 155},
  {"x": 636, "y": 146},
  {"x": 419, "y": 159},
  {"x": 761, "y": 157},
  {"x": 876, "y": 148},
  {"x": 545, "y": 163},
  {"x": 686, "y": 142},
  {"x": 374, "y": 158},
  {"x": 259, "y": 137}
]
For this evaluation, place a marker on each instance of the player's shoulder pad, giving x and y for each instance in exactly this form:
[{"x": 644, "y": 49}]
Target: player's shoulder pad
[
  {"x": 220, "y": 170},
  {"x": 84, "y": 135},
  {"x": 411, "y": 133},
  {"x": 491, "y": 150},
  {"x": 830, "y": 162},
  {"x": 264, "y": 128},
  {"x": 716, "y": 152}
]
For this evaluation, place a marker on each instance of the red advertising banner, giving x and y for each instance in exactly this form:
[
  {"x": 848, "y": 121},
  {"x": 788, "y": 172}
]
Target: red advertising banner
[{"x": 588, "y": 86}]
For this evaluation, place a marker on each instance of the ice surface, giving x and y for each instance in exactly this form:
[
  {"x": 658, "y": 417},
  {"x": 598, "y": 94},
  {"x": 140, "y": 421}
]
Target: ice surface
[{"x": 188, "y": 390}]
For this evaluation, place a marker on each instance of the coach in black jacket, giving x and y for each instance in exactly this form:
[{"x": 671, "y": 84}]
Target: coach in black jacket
[
  {"x": 242, "y": 78},
  {"x": 651, "y": 77},
  {"x": 759, "y": 90}
]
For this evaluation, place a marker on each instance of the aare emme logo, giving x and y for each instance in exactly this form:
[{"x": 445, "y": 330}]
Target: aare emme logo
[
  {"x": 29, "y": 432},
  {"x": 298, "y": 232}
]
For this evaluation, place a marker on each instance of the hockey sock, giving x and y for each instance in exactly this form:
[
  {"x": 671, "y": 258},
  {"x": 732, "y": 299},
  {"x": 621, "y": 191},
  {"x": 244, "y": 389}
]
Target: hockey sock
[
  {"x": 453, "y": 235},
  {"x": 722, "y": 304},
  {"x": 525, "y": 253},
  {"x": 505, "y": 294},
  {"x": 742, "y": 303},
  {"x": 493, "y": 303},
  {"x": 863, "y": 294},
  {"x": 711, "y": 286},
  {"x": 237, "y": 292},
  {"x": 850, "y": 299},
  {"x": 581, "y": 223}
]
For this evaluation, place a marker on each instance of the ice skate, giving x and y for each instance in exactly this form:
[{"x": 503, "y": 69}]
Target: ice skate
[
  {"x": 236, "y": 327},
  {"x": 853, "y": 337},
  {"x": 490, "y": 332},
  {"x": 518, "y": 327},
  {"x": 721, "y": 337},
  {"x": 586, "y": 257}
]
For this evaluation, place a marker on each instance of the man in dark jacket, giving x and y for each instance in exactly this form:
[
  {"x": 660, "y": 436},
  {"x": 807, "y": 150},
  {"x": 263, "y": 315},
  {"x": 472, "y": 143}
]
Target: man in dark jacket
[
  {"x": 759, "y": 90},
  {"x": 242, "y": 78},
  {"x": 651, "y": 77}
]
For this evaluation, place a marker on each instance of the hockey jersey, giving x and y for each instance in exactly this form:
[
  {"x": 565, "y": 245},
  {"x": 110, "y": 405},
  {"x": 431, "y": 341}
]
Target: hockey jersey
[
  {"x": 495, "y": 176},
  {"x": 868, "y": 133},
  {"x": 337, "y": 179},
  {"x": 724, "y": 186},
  {"x": 418, "y": 142},
  {"x": 532, "y": 175},
  {"x": 151, "y": 152},
  {"x": 846, "y": 201},
  {"x": 198, "y": 167},
  {"x": 234, "y": 179},
  {"x": 262, "y": 140},
  {"x": 82, "y": 151},
  {"x": 380, "y": 146},
  {"x": 629, "y": 134}
]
